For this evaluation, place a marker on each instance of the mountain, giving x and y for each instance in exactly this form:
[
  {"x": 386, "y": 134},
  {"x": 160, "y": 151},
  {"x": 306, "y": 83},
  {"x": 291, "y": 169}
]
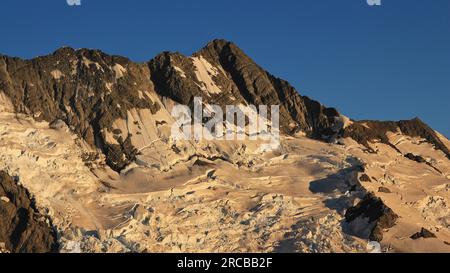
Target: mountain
[
  {"x": 88, "y": 90},
  {"x": 89, "y": 135}
]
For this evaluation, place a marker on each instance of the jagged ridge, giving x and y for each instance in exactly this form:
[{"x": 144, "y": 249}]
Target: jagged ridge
[
  {"x": 89, "y": 89},
  {"x": 369, "y": 131}
]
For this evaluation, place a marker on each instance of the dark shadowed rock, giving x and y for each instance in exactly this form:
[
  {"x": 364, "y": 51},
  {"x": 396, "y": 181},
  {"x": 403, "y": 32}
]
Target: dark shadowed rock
[
  {"x": 423, "y": 233},
  {"x": 364, "y": 178},
  {"x": 416, "y": 158},
  {"x": 22, "y": 227},
  {"x": 384, "y": 190},
  {"x": 370, "y": 218}
]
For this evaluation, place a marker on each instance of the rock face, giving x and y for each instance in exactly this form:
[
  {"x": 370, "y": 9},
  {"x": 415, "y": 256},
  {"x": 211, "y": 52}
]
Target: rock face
[
  {"x": 86, "y": 89},
  {"x": 423, "y": 233},
  {"x": 416, "y": 158},
  {"x": 373, "y": 215},
  {"x": 365, "y": 132},
  {"x": 384, "y": 190},
  {"x": 223, "y": 74},
  {"x": 22, "y": 228}
]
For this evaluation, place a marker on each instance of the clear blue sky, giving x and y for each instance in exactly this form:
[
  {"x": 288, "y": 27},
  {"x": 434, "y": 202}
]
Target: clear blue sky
[{"x": 387, "y": 62}]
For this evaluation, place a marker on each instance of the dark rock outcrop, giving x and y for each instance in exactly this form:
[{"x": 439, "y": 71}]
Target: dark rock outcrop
[
  {"x": 416, "y": 158},
  {"x": 22, "y": 228},
  {"x": 373, "y": 214},
  {"x": 423, "y": 233},
  {"x": 365, "y": 178},
  {"x": 366, "y": 131},
  {"x": 384, "y": 190},
  {"x": 182, "y": 88}
]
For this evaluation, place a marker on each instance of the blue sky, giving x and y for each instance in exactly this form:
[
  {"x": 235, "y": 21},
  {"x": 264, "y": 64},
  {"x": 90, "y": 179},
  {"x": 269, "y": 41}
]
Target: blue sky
[{"x": 386, "y": 62}]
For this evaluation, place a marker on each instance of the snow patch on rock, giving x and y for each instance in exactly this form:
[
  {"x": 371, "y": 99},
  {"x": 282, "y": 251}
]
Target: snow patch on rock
[
  {"x": 88, "y": 63},
  {"x": 119, "y": 70},
  {"x": 179, "y": 70},
  {"x": 205, "y": 72},
  {"x": 57, "y": 74}
]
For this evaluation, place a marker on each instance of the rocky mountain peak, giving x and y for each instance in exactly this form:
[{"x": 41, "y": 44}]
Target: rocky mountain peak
[{"x": 89, "y": 90}]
